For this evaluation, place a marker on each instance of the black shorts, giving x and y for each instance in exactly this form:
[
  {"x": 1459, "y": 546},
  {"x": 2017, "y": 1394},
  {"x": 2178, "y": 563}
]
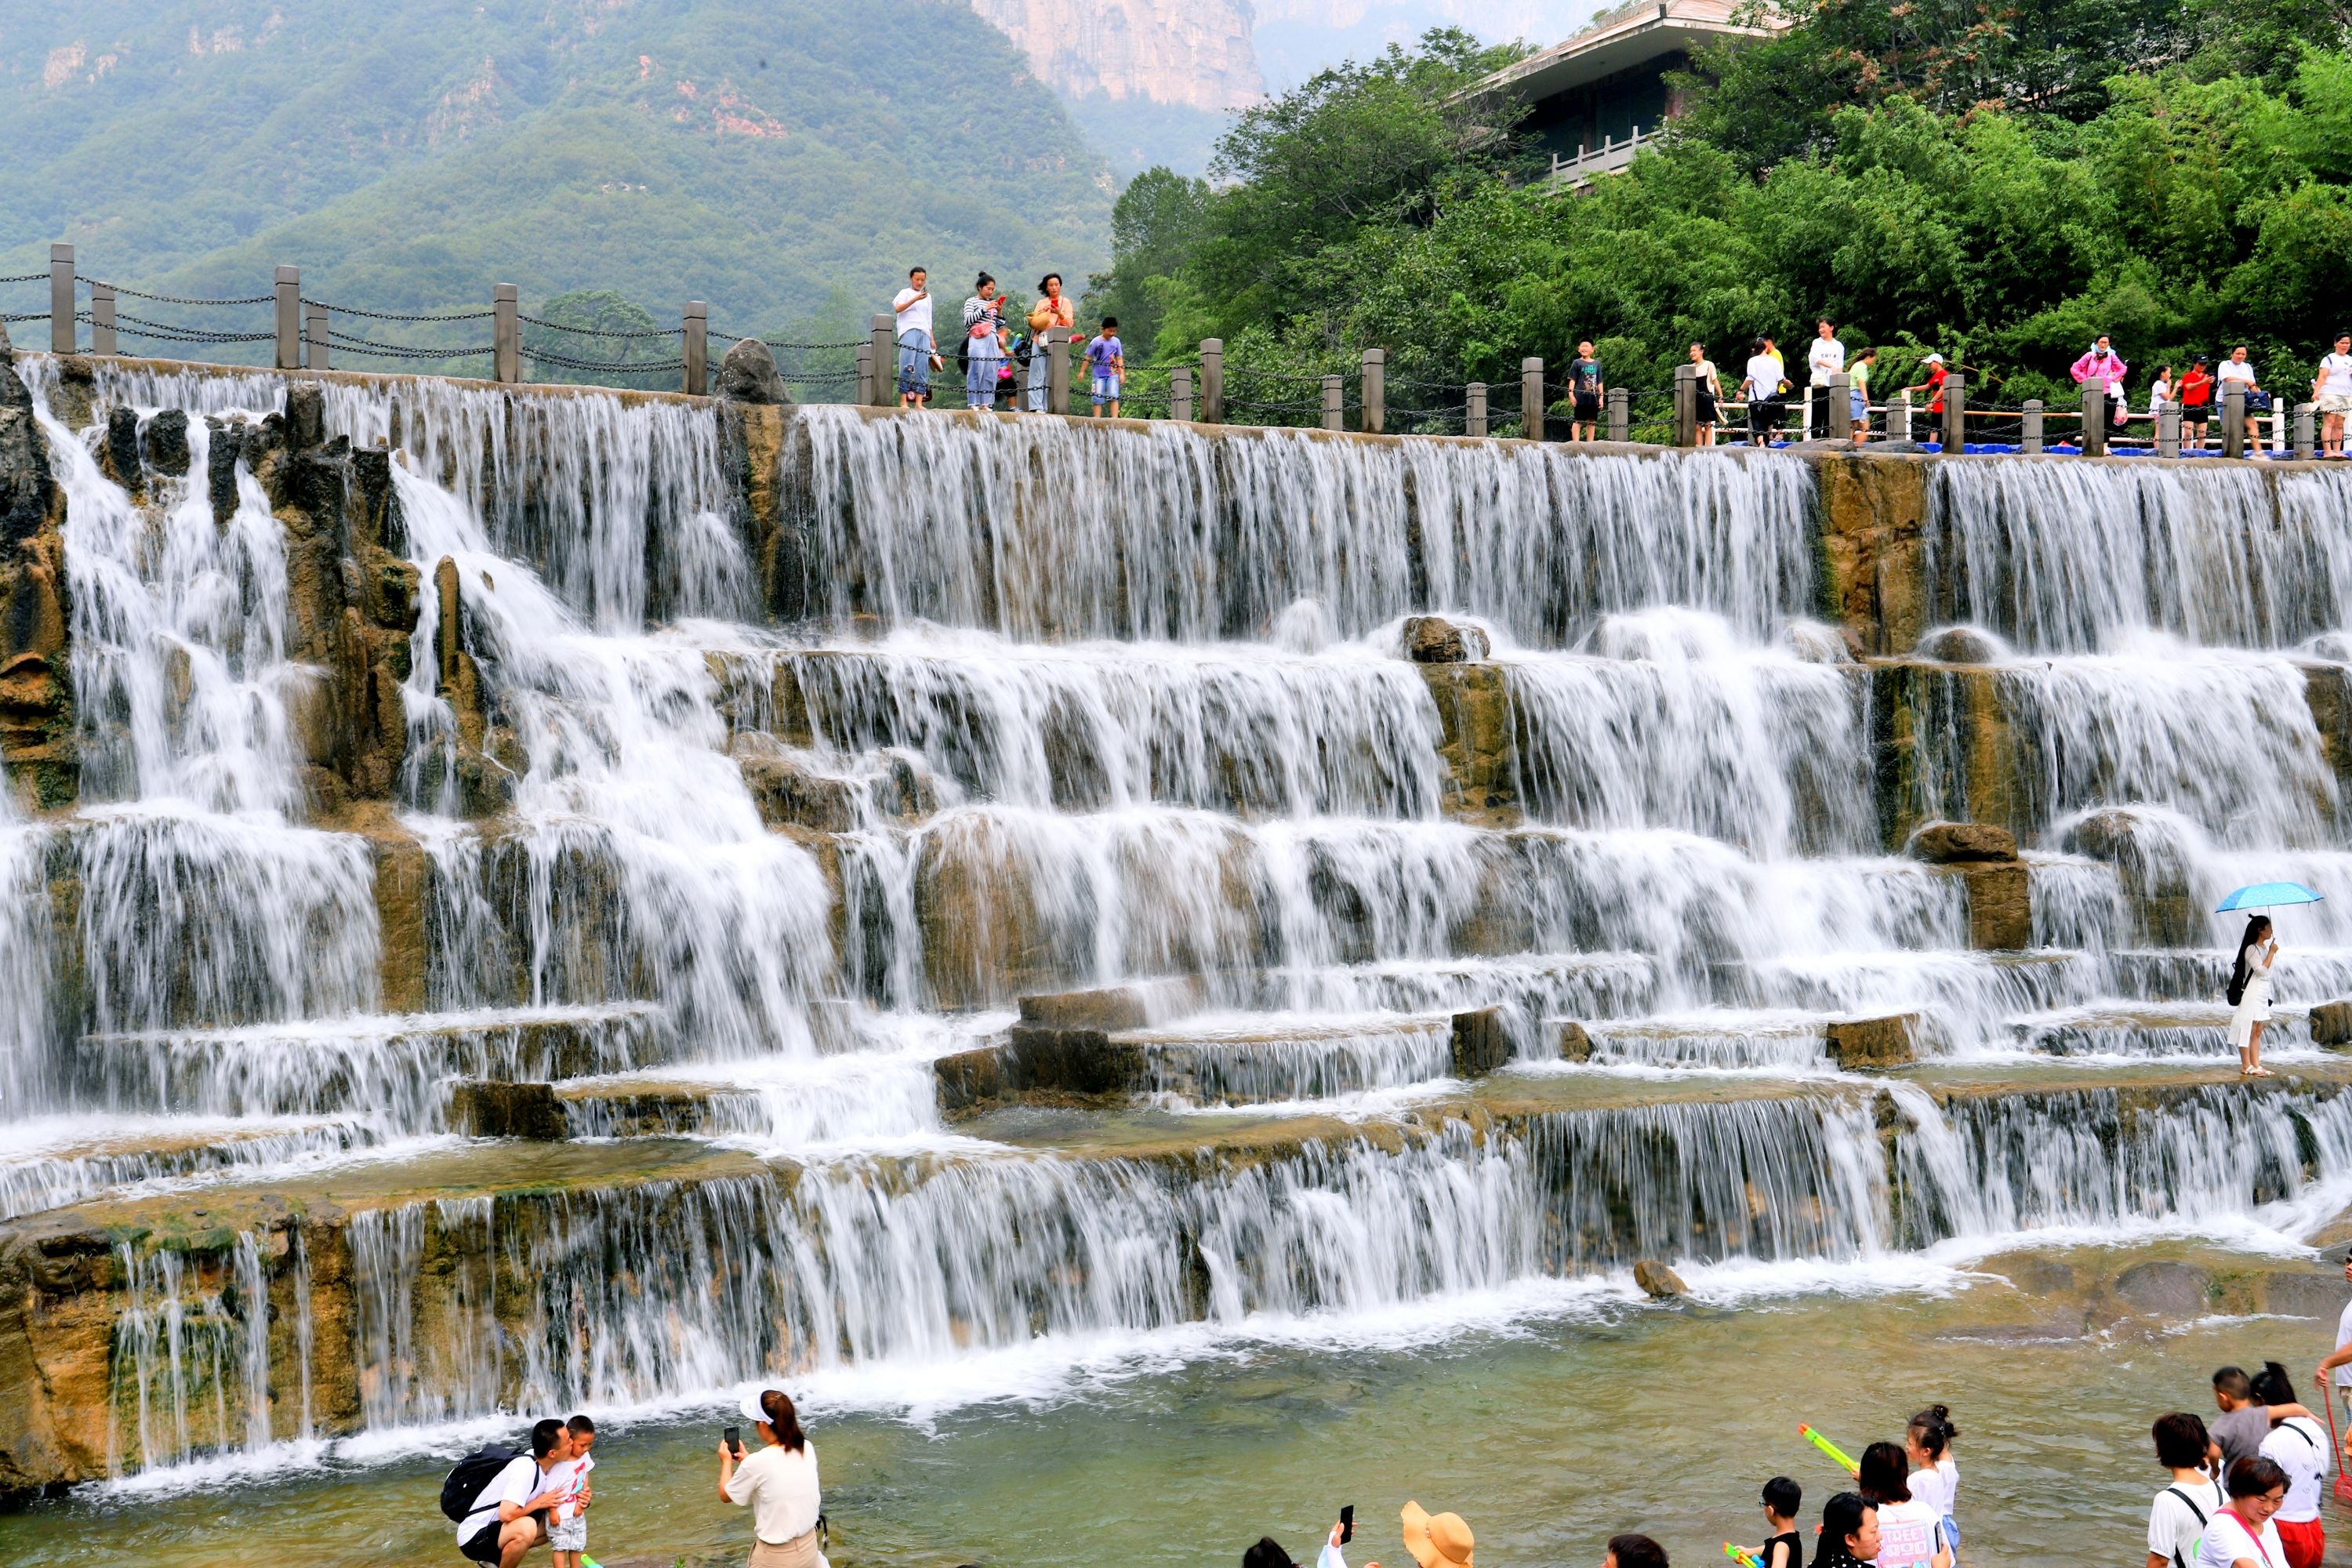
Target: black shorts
[
  {"x": 1707, "y": 409},
  {"x": 2196, "y": 413},
  {"x": 1587, "y": 408},
  {"x": 484, "y": 1546}
]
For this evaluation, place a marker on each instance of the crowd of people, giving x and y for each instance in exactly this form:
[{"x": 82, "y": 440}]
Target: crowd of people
[{"x": 1001, "y": 351}]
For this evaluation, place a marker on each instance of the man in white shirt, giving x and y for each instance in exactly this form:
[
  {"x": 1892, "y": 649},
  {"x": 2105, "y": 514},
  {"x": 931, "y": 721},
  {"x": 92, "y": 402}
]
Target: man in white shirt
[
  {"x": 916, "y": 358},
  {"x": 1825, "y": 358},
  {"x": 2331, "y": 395},
  {"x": 503, "y": 1523},
  {"x": 1762, "y": 387},
  {"x": 2335, "y": 1368},
  {"x": 2238, "y": 370}
]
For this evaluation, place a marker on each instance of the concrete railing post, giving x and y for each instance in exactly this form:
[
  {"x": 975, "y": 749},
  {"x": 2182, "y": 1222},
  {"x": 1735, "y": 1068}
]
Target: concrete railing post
[
  {"x": 2168, "y": 429},
  {"x": 1179, "y": 394},
  {"x": 2095, "y": 419},
  {"x": 101, "y": 319},
  {"x": 1685, "y": 404},
  {"x": 315, "y": 350},
  {"x": 2233, "y": 419},
  {"x": 288, "y": 322},
  {"x": 505, "y": 333},
  {"x": 1899, "y": 417},
  {"x": 1335, "y": 402},
  {"x": 1956, "y": 413},
  {"x": 1376, "y": 391},
  {"x": 2029, "y": 438},
  {"x": 882, "y": 329},
  {"x": 2307, "y": 437},
  {"x": 694, "y": 348},
  {"x": 1531, "y": 398},
  {"x": 1057, "y": 370},
  {"x": 2278, "y": 428},
  {"x": 62, "y": 335},
  {"x": 865, "y": 373},
  {"x": 1619, "y": 407},
  {"x": 1837, "y": 408},
  {"x": 1474, "y": 409},
  {"x": 1212, "y": 381}
]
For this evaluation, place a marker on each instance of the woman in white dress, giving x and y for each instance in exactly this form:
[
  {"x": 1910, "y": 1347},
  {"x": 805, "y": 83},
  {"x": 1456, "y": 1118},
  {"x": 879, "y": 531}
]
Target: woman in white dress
[{"x": 2250, "y": 994}]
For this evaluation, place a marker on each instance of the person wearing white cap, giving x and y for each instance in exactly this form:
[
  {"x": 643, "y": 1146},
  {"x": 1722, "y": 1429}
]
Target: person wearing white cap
[
  {"x": 1931, "y": 382},
  {"x": 777, "y": 1483},
  {"x": 1437, "y": 1540}
]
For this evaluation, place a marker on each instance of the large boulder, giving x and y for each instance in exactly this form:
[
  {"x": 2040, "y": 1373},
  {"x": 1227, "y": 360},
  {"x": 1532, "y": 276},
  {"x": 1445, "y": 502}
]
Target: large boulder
[
  {"x": 2165, "y": 1288},
  {"x": 1657, "y": 1281},
  {"x": 1962, "y": 645},
  {"x": 1874, "y": 1045},
  {"x": 748, "y": 375},
  {"x": 1963, "y": 843},
  {"x": 26, "y": 483},
  {"x": 1433, "y": 639},
  {"x": 485, "y": 1109},
  {"x": 1481, "y": 1042},
  {"x": 2331, "y": 1024},
  {"x": 166, "y": 441}
]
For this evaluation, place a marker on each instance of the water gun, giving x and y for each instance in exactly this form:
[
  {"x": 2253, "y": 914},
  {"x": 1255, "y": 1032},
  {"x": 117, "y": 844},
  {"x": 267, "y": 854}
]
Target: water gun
[
  {"x": 1826, "y": 1447},
  {"x": 1743, "y": 1559}
]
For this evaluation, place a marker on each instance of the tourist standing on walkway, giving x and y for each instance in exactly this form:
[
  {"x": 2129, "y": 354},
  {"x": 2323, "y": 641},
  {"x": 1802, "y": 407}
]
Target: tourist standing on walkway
[
  {"x": 777, "y": 1483},
  {"x": 1710, "y": 395},
  {"x": 2178, "y": 1517},
  {"x": 2331, "y": 396},
  {"x": 1858, "y": 394},
  {"x": 1762, "y": 386},
  {"x": 2196, "y": 403},
  {"x": 1824, "y": 357},
  {"x": 918, "y": 355},
  {"x": 2103, "y": 367},
  {"x": 1053, "y": 310},
  {"x": 984, "y": 333},
  {"x": 2160, "y": 393},
  {"x": 2250, "y": 997},
  {"x": 1932, "y": 382},
  {"x": 1585, "y": 391}
]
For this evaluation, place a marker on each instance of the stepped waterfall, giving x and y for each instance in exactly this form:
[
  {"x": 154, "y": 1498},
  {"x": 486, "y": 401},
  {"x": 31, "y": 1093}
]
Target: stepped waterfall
[{"x": 549, "y": 898}]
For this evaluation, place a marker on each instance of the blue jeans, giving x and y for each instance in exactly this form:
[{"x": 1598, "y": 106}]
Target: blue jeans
[
  {"x": 980, "y": 380},
  {"x": 915, "y": 362}
]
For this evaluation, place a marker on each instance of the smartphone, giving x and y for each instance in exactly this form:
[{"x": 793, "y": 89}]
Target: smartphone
[
  {"x": 1347, "y": 1525},
  {"x": 733, "y": 1438}
]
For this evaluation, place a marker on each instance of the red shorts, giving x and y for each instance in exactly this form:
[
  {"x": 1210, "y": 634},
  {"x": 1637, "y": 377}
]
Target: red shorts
[{"x": 2302, "y": 1540}]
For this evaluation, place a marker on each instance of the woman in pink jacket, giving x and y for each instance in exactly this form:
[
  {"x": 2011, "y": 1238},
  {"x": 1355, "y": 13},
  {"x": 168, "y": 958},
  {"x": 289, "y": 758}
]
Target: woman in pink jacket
[{"x": 2104, "y": 366}]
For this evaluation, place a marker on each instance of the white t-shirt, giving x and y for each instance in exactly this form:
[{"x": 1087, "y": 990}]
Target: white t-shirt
[
  {"x": 2160, "y": 393},
  {"x": 2343, "y": 1338},
  {"x": 2335, "y": 376},
  {"x": 2226, "y": 1541},
  {"x": 572, "y": 1476},
  {"x": 1928, "y": 1487},
  {"x": 517, "y": 1484},
  {"x": 2174, "y": 1527},
  {"x": 2298, "y": 1446},
  {"x": 1764, "y": 375},
  {"x": 2232, "y": 370},
  {"x": 914, "y": 314},
  {"x": 1827, "y": 357},
  {"x": 1949, "y": 1468},
  {"x": 780, "y": 1488},
  {"x": 1908, "y": 1533}
]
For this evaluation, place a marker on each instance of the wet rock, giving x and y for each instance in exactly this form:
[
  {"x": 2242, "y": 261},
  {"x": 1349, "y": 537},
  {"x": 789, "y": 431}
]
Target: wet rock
[
  {"x": 2164, "y": 1288},
  {"x": 1071, "y": 1061},
  {"x": 1659, "y": 1282},
  {"x": 481, "y": 1108},
  {"x": 1481, "y": 1042},
  {"x": 1575, "y": 1042},
  {"x": 1959, "y": 843},
  {"x": 220, "y": 466},
  {"x": 1872, "y": 513},
  {"x": 1112, "y": 1007},
  {"x": 2303, "y": 1294},
  {"x": 120, "y": 455},
  {"x": 748, "y": 375},
  {"x": 2001, "y": 908},
  {"x": 2331, "y": 1024},
  {"x": 1431, "y": 639},
  {"x": 789, "y": 794},
  {"x": 2037, "y": 1276},
  {"x": 166, "y": 443},
  {"x": 1477, "y": 740},
  {"x": 1962, "y": 645},
  {"x": 306, "y": 416},
  {"x": 967, "y": 1080},
  {"x": 1874, "y": 1045}
]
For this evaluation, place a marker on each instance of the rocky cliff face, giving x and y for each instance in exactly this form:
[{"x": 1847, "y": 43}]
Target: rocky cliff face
[{"x": 1198, "y": 54}]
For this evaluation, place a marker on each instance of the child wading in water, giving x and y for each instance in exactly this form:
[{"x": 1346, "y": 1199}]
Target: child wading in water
[
  {"x": 1935, "y": 1476},
  {"x": 567, "y": 1531},
  {"x": 1782, "y": 1498}
]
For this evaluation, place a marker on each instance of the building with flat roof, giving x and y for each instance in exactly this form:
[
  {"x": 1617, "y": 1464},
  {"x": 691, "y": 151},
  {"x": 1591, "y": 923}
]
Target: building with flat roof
[{"x": 1594, "y": 100}]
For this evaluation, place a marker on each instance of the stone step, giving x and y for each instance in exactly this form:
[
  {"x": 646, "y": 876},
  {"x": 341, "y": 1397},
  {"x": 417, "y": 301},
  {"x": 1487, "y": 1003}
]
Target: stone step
[
  {"x": 54, "y": 1162},
  {"x": 2155, "y": 1029}
]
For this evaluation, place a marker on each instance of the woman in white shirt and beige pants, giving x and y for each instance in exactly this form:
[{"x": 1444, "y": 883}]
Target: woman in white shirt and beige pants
[{"x": 777, "y": 1483}]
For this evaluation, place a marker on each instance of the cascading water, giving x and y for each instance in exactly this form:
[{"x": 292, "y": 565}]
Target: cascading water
[{"x": 1107, "y": 707}]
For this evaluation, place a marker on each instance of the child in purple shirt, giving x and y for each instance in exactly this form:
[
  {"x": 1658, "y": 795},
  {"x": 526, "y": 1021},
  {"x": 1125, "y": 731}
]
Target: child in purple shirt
[{"x": 1106, "y": 367}]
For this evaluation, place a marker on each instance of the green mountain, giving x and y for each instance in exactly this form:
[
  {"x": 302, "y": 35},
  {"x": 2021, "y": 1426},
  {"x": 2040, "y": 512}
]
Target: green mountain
[{"x": 780, "y": 160}]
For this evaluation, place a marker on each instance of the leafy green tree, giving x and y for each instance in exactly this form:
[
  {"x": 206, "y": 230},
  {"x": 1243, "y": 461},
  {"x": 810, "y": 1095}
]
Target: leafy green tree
[
  {"x": 1158, "y": 219},
  {"x": 594, "y": 335}
]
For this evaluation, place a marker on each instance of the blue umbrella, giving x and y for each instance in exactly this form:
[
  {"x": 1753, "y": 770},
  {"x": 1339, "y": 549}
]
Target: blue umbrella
[{"x": 2267, "y": 896}]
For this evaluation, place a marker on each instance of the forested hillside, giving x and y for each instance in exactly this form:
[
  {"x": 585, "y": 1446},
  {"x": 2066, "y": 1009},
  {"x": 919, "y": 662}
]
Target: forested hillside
[
  {"x": 407, "y": 154},
  {"x": 1999, "y": 183}
]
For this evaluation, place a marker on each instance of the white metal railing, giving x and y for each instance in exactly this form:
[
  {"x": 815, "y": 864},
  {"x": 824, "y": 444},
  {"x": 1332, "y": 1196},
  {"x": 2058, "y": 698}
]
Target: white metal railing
[{"x": 1609, "y": 156}]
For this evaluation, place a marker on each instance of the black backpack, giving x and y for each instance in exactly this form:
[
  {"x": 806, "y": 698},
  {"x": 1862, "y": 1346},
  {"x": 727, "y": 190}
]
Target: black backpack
[{"x": 477, "y": 1470}]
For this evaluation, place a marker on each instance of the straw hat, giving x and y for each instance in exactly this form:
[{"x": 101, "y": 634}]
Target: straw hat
[{"x": 1436, "y": 1540}]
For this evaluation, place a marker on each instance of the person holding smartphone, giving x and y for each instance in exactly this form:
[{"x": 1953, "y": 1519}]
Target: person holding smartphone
[{"x": 777, "y": 1483}]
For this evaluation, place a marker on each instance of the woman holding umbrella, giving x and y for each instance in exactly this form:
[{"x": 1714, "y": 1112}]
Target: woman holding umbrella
[{"x": 2250, "y": 994}]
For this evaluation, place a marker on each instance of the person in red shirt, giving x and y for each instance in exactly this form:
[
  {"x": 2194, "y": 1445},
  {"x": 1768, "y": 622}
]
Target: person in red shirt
[
  {"x": 2196, "y": 392},
  {"x": 1933, "y": 384}
]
